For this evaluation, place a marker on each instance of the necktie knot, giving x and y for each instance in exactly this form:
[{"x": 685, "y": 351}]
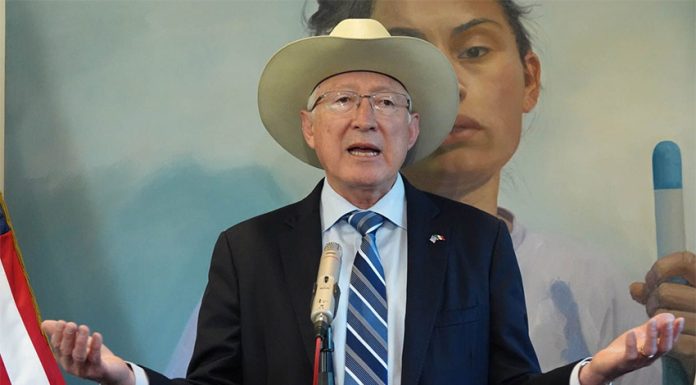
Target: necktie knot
[{"x": 365, "y": 222}]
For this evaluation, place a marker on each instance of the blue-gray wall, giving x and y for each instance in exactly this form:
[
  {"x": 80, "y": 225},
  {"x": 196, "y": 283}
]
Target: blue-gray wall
[{"x": 133, "y": 139}]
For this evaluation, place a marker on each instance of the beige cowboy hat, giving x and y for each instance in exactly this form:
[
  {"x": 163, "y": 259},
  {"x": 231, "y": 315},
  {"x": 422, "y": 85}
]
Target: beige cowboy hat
[{"x": 295, "y": 70}]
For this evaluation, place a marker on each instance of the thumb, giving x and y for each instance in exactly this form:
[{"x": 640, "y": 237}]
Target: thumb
[{"x": 637, "y": 290}]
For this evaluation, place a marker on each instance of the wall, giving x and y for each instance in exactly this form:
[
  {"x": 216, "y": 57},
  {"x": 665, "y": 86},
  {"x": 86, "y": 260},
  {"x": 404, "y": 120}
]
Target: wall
[{"x": 133, "y": 138}]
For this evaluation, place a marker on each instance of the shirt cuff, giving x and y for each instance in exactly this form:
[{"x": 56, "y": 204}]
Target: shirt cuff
[
  {"x": 575, "y": 374},
  {"x": 140, "y": 375}
]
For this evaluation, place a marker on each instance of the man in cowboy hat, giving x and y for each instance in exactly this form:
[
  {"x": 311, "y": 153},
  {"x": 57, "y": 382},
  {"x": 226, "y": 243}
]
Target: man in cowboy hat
[{"x": 431, "y": 289}]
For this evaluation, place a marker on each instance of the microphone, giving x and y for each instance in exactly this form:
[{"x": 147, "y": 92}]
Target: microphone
[{"x": 326, "y": 291}]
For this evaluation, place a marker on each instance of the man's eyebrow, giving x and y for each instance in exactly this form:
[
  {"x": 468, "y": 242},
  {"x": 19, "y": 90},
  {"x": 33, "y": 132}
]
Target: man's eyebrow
[{"x": 471, "y": 24}]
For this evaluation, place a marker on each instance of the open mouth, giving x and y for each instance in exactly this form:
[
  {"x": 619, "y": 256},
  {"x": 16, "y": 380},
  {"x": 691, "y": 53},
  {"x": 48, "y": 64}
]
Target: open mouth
[{"x": 364, "y": 150}]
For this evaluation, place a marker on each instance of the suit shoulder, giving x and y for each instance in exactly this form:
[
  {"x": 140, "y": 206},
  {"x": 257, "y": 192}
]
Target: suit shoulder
[
  {"x": 269, "y": 221},
  {"x": 458, "y": 210}
]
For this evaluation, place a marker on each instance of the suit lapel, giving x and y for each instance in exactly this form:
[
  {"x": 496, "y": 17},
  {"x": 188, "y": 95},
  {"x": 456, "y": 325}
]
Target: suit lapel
[
  {"x": 427, "y": 263},
  {"x": 300, "y": 249},
  {"x": 300, "y": 253}
]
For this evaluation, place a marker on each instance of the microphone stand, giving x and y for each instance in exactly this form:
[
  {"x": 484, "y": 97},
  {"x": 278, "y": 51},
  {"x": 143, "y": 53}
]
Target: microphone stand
[{"x": 326, "y": 366}]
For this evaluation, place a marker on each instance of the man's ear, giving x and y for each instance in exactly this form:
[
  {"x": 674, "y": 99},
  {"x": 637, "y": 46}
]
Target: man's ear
[
  {"x": 532, "y": 80},
  {"x": 413, "y": 129},
  {"x": 307, "y": 127}
]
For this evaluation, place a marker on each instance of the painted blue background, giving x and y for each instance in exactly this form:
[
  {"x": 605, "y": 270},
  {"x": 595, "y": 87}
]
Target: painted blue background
[
  {"x": 132, "y": 141},
  {"x": 133, "y": 138}
]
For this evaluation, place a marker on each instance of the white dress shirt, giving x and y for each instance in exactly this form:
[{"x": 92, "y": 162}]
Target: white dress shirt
[{"x": 391, "y": 245}]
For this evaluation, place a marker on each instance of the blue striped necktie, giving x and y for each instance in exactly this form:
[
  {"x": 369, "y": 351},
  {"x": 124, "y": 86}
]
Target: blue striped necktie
[{"x": 366, "y": 332}]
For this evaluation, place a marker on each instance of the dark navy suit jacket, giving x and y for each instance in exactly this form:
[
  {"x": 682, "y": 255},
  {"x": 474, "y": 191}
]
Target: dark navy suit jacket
[{"x": 466, "y": 321}]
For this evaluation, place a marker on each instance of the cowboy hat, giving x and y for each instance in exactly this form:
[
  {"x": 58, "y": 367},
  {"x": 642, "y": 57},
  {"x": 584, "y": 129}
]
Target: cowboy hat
[{"x": 295, "y": 70}]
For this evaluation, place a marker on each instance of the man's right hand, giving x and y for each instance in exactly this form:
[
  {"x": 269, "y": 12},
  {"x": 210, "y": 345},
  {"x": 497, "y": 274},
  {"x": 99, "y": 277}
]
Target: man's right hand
[{"x": 84, "y": 355}]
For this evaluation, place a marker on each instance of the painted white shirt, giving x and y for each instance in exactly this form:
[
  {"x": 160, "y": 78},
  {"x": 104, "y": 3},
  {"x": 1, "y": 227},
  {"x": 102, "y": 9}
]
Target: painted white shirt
[{"x": 577, "y": 299}]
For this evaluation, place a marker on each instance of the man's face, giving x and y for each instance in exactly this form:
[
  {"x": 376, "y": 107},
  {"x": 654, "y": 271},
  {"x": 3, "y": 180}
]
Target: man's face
[
  {"x": 495, "y": 86},
  {"x": 362, "y": 149}
]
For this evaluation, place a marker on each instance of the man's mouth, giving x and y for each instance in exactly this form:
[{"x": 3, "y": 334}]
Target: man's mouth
[{"x": 364, "y": 150}]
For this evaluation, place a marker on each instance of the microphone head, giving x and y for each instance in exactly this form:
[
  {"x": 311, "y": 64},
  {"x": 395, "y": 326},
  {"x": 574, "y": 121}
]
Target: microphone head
[
  {"x": 667, "y": 166},
  {"x": 332, "y": 249},
  {"x": 326, "y": 291}
]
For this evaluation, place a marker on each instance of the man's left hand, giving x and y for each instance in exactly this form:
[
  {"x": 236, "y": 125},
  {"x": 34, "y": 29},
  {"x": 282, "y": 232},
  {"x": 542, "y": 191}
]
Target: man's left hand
[
  {"x": 636, "y": 348},
  {"x": 661, "y": 296}
]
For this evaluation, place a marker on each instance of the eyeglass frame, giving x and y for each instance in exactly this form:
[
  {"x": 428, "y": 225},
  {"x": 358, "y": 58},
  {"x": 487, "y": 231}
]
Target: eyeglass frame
[{"x": 370, "y": 97}]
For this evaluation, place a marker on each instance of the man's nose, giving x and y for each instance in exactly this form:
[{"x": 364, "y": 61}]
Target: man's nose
[{"x": 364, "y": 114}]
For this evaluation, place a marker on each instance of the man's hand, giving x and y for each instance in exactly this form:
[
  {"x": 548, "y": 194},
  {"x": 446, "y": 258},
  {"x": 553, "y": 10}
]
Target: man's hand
[
  {"x": 660, "y": 296},
  {"x": 84, "y": 355},
  {"x": 637, "y": 348}
]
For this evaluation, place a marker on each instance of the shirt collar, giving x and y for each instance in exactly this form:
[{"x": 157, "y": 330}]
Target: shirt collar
[
  {"x": 517, "y": 231},
  {"x": 391, "y": 206}
]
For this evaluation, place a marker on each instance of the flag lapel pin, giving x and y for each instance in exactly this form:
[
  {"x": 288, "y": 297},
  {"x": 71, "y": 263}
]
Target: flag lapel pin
[{"x": 436, "y": 237}]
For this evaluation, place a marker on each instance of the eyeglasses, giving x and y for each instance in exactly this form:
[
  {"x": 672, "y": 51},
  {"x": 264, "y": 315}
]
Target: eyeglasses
[{"x": 385, "y": 103}]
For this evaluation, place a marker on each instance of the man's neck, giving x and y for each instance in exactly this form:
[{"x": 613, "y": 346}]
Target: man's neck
[{"x": 362, "y": 197}]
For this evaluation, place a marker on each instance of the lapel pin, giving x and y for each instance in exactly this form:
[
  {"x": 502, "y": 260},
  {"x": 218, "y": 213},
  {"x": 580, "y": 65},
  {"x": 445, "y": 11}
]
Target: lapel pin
[{"x": 436, "y": 237}]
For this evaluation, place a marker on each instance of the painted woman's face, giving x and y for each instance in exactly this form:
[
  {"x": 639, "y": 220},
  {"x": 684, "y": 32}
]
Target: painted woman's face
[{"x": 495, "y": 86}]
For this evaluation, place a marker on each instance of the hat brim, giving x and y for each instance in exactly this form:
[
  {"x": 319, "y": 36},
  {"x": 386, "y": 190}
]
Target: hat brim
[{"x": 295, "y": 70}]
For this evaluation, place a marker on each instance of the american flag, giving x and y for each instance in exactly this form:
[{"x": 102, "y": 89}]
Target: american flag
[{"x": 25, "y": 357}]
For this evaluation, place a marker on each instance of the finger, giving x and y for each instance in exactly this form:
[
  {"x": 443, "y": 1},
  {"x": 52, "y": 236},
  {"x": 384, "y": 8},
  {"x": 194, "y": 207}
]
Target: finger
[
  {"x": 679, "y": 264},
  {"x": 631, "y": 345},
  {"x": 68, "y": 341},
  {"x": 638, "y": 293},
  {"x": 648, "y": 346},
  {"x": 678, "y": 328},
  {"x": 79, "y": 352},
  {"x": 689, "y": 320},
  {"x": 57, "y": 336},
  {"x": 672, "y": 296},
  {"x": 94, "y": 353},
  {"x": 665, "y": 337},
  {"x": 48, "y": 326}
]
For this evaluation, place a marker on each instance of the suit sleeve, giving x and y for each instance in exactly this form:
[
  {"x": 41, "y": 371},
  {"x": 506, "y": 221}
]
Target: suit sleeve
[{"x": 512, "y": 357}]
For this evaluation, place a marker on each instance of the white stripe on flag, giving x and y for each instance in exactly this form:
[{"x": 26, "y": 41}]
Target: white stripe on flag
[{"x": 16, "y": 349}]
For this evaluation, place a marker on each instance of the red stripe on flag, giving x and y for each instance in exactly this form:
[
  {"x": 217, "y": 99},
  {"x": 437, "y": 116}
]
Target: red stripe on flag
[
  {"x": 21, "y": 292},
  {"x": 4, "y": 378}
]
